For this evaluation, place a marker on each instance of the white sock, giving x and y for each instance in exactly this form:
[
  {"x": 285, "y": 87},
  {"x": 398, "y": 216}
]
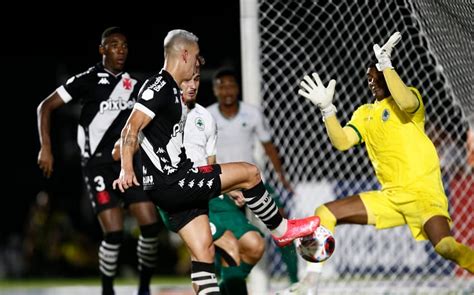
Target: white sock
[
  {"x": 314, "y": 267},
  {"x": 280, "y": 230}
]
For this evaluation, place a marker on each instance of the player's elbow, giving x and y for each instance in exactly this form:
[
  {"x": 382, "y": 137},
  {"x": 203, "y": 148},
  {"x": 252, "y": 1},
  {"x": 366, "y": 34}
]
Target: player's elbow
[
  {"x": 342, "y": 147},
  {"x": 406, "y": 100},
  {"x": 43, "y": 107},
  {"x": 341, "y": 143},
  {"x": 116, "y": 152},
  {"x": 409, "y": 105}
]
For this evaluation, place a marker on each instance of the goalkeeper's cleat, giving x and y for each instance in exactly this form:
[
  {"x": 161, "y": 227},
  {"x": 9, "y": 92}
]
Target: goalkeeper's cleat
[{"x": 297, "y": 228}]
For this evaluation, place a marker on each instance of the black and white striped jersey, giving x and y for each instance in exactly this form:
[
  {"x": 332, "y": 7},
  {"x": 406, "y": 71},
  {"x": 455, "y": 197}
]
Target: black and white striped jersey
[
  {"x": 163, "y": 154},
  {"x": 106, "y": 101}
]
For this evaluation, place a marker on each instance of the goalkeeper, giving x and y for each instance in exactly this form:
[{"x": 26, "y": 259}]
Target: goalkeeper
[{"x": 404, "y": 159}]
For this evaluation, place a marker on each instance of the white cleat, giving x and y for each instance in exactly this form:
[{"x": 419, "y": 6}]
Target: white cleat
[{"x": 307, "y": 286}]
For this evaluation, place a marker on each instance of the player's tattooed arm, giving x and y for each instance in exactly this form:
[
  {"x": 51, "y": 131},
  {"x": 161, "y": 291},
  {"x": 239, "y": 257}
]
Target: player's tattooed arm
[
  {"x": 130, "y": 136},
  {"x": 128, "y": 145},
  {"x": 116, "y": 150},
  {"x": 131, "y": 140}
]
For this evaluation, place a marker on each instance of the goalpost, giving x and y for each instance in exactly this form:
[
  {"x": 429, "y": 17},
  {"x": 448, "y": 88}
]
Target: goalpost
[{"x": 283, "y": 40}]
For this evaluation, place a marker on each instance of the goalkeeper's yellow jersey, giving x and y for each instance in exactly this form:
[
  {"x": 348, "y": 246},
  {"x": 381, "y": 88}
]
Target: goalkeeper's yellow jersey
[{"x": 401, "y": 153}]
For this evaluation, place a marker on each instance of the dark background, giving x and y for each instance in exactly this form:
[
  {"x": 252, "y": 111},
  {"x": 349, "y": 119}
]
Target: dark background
[{"x": 41, "y": 49}]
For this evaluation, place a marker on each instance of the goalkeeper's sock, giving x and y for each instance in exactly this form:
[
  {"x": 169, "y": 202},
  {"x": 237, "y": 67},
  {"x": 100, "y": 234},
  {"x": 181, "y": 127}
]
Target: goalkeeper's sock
[
  {"x": 450, "y": 249},
  {"x": 328, "y": 220},
  {"x": 288, "y": 254},
  {"x": 233, "y": 279}
]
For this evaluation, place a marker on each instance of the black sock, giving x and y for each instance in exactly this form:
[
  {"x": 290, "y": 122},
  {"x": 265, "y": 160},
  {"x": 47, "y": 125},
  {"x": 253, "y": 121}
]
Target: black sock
[
  {"x": 108, "y": 257},
  {"x": 204, "y": 277},
  {"x": 147, "y": 252},
  {"x": 261, "y": 203}
]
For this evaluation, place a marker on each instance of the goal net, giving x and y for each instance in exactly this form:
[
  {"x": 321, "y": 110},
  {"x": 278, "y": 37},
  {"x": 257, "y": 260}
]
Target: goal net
[{"x": 335, "y": 39}]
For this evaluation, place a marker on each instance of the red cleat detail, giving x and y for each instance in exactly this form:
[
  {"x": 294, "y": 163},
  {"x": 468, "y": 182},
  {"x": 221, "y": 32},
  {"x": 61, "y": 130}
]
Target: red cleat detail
[{"x": 297, "y": 228}]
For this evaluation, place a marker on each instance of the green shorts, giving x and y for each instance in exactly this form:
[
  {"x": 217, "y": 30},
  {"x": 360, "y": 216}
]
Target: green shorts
[{"x": 234, "y": 221}]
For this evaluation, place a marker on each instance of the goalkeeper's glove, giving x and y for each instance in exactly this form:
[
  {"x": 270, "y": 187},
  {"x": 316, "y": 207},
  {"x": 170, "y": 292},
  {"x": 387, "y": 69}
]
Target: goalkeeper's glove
[
  {"x": 383, "y": 54},
  {"x": 314, "y": 90}
]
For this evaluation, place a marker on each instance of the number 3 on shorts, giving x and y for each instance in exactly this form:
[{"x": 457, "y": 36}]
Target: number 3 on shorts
[{"x": 99, "y": 180}]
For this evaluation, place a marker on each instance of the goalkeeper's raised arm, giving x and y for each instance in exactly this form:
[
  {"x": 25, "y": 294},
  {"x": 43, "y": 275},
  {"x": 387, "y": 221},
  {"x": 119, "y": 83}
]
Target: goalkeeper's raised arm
[
  {"x": 314, "y": 90},
  {"x": 403, "y": 96}
]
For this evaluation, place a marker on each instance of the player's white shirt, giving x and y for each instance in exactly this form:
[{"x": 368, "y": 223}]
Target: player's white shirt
[
  {"x": 237, "y": 135},
  {"x": 200, "y": 134}
]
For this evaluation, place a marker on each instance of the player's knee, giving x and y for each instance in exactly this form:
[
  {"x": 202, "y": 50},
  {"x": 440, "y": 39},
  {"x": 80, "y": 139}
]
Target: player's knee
[
  {"x": 448, "y": 248},
  {"x": 254, "y": 246},
  {"x": 258, "y": 250},
  {"x": 259, "y": 247},
  {"x": 328, "y": 219},
  {"x": 144, "y": 212},
  {"x": 204, "y": 252},
  {"x": 253, "y": 173}
]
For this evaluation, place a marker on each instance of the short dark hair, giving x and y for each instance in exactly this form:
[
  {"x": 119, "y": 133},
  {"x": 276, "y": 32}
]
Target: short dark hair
[
  {"x": 110, "y": 31},
  {"x": 372, "y": 65},
  {"x": 224, "y": 72}
]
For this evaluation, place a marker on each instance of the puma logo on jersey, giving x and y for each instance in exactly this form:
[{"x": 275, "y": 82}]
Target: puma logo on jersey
[
  {"x": 103, "y": 81},
  {"x": 116, "y": 105}
]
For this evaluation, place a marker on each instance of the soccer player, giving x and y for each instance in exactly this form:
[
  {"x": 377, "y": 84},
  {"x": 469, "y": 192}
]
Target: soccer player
[
  {"x": 239, "y": 126},
  {"x": 404, "y": 159},
  {"x": 240, "y": 242},
  {"x": 169, "y": 177},
  {"x": 107, "y": 95}
]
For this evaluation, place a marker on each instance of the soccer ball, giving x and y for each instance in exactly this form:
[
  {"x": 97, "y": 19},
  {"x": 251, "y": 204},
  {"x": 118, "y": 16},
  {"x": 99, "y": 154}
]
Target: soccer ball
[{"x": 318, "y": 246}]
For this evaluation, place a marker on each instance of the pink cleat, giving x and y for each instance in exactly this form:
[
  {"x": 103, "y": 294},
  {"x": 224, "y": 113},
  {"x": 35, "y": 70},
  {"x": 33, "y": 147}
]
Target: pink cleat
[{"x": 297, "y": 228}]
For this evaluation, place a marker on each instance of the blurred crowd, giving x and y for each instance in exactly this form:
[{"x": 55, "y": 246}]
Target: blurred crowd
[{"x": 52, "y": 245}]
